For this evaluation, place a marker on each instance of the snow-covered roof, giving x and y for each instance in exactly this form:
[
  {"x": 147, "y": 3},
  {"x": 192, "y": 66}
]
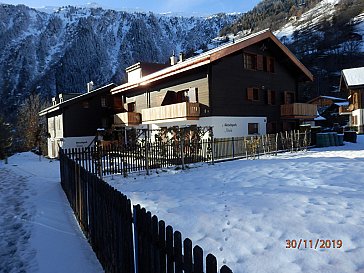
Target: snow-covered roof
[
  {"x": 354, "y": 76},
  {"x": 318, "y": 118},
  {"x": 345, "y": 103}
]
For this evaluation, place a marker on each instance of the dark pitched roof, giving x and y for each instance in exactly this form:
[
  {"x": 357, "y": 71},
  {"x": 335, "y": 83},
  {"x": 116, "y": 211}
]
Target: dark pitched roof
[
  {"x": 77, "y": 99},
  {"x": 213, "y": 55}
]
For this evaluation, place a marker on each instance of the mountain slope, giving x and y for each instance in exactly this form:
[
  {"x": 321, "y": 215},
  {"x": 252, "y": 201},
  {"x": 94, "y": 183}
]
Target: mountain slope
[{"x": 49, "y": 53}]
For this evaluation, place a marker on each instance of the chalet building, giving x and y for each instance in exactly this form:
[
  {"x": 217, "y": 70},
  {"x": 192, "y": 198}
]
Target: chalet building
[
  {"x": 352, "y": 82},
  {"x": 328, "y": 108},
  {"x": 73, "y": 119},
  {"x": 246, "y": 87}
]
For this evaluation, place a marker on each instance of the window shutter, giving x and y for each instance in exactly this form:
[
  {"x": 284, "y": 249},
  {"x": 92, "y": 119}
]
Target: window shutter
[
  {"x": 250, "y": 93},
  {"x": 118, "y": 103},
  {"x": 270, "y": 64},
  {"x": 259, "y": 62},
  {"x": 269, "y": 97}
]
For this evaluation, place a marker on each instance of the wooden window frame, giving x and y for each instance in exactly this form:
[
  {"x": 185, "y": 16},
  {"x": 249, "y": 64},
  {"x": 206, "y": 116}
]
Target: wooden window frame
[
  {"x": 253, "y": 94},
  {"x": 250, "y": 61},
  {"x": 131, "y": 106},
  {"x": 255, "y": 128},
  {"x": 270, "y": 65},
  {"x": 286, "y": 93}
]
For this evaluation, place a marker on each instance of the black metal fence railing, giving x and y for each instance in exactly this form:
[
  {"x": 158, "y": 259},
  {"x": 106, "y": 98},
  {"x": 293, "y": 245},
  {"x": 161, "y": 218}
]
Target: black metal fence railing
[{"x": 125, "y": 159}]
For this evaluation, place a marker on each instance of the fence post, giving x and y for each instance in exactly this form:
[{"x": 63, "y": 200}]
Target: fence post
[
  {"x": 136, "y": 241},
  {"x": 212, "y": 146},
  {"x": 233, "y": 147},
  {"x": 182, "y": 146},
  {"x": 146, "y": 151}
]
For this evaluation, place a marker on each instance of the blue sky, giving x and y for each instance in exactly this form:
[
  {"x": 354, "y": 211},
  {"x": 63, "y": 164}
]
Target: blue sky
[{"x": 203, "y": 7}]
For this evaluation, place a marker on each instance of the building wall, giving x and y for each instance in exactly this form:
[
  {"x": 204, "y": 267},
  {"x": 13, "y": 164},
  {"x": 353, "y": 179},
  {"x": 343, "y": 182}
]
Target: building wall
[
  {"x": 85, "y": 117},
  {"x": 230, "y": 83},
  {"x": 157, "y": 93}
]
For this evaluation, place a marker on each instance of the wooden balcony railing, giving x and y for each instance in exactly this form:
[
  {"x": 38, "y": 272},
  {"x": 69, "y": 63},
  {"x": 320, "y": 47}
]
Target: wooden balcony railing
[
  {"x": 346, "y": 110},
  {"x": 127, "y": 119},
  {"x": 299, "y": 111},
  {"x": 183, "y": 110}
]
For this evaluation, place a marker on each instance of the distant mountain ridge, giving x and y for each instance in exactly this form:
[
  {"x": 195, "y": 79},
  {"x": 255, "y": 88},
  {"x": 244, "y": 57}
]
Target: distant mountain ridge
[{"x": 49, "y": 53}]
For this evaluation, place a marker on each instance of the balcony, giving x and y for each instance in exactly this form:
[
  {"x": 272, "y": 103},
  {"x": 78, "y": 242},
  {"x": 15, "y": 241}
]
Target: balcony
[
  {"x": 346, "y": 110},
  {"x": 174, "y": 112},
  {"x": 299, "y": 111},
  {"x": 127, "y": 119}
]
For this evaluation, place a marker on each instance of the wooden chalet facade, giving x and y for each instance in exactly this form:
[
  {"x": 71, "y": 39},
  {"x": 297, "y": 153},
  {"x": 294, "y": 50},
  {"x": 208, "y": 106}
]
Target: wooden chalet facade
[
  {"x": 73, "y": 120},
  {"x": 352, "y": 83},
  {"x": 249, "y": 85},
  {"x": 328, "y": 109}
]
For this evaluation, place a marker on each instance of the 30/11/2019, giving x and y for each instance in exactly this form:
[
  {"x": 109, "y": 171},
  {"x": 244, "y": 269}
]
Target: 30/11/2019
[{"x": 318, "y": 243}]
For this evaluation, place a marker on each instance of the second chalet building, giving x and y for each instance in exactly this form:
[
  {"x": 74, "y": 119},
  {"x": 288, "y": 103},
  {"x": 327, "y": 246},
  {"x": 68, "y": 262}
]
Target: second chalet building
[{"x": 243, "y": 88}]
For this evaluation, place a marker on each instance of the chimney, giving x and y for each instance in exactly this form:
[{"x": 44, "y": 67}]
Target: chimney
[
  {"x": 181, "y": 57},
  {"x": 173, "y": 59},
  {"x": 90, "y": 86}
]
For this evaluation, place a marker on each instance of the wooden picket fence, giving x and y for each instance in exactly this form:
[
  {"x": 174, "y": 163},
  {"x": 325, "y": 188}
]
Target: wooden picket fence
[
  {"x": 106, "y": 218},
  {"x": 255, "y": 146}
]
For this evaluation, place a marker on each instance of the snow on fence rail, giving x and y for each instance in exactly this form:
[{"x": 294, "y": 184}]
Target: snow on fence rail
[
  {"x": 107, "y": 221},
  {"x": 125, "y": 159}
]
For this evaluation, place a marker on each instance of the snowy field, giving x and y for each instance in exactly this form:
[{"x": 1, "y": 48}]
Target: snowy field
[
  {"x": 241, "y": 211},
  {"x": 244, "y": 211},
  {"x": 38, "y": 232}
]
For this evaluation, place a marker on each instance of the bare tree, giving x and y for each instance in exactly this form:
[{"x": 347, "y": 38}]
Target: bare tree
[{"x": 31, "y": 129}]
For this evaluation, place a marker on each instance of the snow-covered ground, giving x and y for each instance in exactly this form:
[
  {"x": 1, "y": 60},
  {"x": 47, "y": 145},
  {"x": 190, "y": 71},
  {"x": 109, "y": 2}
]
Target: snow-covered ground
[
  {"x": 38, "y": 232},
  {"x": 241, "y": 211},
  {"x": 244, "y": 211}
]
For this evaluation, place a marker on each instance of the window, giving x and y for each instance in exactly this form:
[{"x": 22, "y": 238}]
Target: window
[
  {"x": 288, "y": 97},
  {"x": 103, "y": 102},
  {"x": 270, "y": 64},
  {"x": 131, "y": 107},
  {"x": 253, "y": 94},
  {"x": 252, "y": 128},
  {"x": 250, "y": 61},
  {"x": 271, "y": 97}
]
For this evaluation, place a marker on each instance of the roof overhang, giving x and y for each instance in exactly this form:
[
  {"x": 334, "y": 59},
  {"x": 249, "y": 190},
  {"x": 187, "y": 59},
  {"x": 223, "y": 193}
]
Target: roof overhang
[
  {"x": 83, "y": 96},
  {"x": 212, "y": 56}
]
